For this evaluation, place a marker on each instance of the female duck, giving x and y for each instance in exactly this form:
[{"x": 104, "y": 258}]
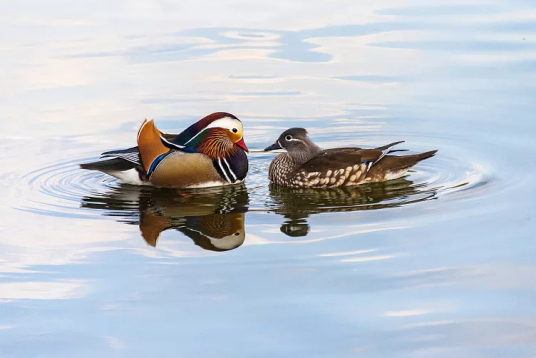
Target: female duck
[
  {"x": 305, "y": 165},
  {"x": 211, "y": 152}
]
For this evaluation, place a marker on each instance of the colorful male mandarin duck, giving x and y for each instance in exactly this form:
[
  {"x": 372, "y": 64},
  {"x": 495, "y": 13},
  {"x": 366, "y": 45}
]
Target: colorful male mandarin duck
[
  {"x": 211, "y": 152},
  {"x": 305, "y": 165}
]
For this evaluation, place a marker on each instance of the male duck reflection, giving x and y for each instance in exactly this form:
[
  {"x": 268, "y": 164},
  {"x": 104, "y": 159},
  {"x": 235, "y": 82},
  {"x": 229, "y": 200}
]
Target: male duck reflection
[
  {"x": 305, "y": 165},
  {"x": 211, "y": 152},
  {"x": 213, "y": 218}
]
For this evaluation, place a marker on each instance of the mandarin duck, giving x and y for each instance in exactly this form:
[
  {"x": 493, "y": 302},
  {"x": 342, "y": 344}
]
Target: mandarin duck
[
  {"x": 211, "y": 152},
  {"x": 305, "y": 165}
]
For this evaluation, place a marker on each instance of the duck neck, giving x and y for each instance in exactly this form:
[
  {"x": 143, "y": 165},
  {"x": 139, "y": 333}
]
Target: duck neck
[{"x": 302, "y": 156}]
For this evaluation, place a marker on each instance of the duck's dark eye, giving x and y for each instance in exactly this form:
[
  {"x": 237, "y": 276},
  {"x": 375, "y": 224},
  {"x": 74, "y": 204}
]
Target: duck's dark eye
[
  {"x": 288, "y": 137},
  {"x": 235, "y": 130},
  {"x": 237, "y": 233}
]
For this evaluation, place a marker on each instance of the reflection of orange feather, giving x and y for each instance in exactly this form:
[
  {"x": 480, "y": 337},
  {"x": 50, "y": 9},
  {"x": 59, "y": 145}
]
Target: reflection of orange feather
[
  {"x": 152, "y": 225},
  {"x": 149, "y": 144}
]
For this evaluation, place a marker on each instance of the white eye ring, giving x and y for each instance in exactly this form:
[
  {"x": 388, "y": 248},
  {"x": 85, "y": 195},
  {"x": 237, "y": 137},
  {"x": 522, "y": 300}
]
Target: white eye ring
[
  {"x": 235, "y": 130},
  {"x": 288, "y": 137}
]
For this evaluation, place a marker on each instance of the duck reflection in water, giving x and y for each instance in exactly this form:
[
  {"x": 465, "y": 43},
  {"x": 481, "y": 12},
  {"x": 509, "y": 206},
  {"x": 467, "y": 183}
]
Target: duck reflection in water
[
  {"x": 296, "y": 205},
  {"x": 213, "y": 218}
]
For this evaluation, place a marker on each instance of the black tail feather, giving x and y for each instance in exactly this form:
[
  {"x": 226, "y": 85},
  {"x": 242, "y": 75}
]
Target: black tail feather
[{"x": 110, "y": 165}]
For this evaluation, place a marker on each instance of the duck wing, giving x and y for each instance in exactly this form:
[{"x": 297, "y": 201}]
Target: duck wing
[
  {"x": 132, "y": 154},
  {"x": 339, "y": 166},
  {"x": 331, "y": 167},
  {"x": 343, "y": 158}
]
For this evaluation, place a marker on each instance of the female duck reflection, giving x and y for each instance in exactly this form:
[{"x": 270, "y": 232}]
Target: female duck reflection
[
  {"x": 213, "y": 219},
  {"x": 296, "y": 205}
]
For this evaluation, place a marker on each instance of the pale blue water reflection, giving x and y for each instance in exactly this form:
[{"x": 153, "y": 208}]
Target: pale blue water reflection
[{"x": 438, "y": 264}]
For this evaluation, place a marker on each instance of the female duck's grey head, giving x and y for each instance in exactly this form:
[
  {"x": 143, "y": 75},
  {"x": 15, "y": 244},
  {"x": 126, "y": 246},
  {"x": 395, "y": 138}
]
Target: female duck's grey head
[{"x": 298, "y": 145}]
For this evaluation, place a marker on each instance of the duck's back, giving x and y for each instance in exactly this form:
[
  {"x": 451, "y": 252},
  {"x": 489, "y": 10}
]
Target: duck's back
[
  {"x": 342, "y": 167},
  {"x": 332, "y": 168}
]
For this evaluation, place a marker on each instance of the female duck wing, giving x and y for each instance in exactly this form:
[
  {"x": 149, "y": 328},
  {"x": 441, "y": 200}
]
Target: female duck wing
[
  {"x": 332, "y": 167},
  {"x": 340, "y": 166}
]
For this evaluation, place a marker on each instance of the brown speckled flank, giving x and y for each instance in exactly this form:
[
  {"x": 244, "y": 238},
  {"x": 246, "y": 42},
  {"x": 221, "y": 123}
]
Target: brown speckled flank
[{"x": 305, "y": 165}]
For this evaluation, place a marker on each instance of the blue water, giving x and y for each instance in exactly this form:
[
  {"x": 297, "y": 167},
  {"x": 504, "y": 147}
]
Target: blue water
[{"x": 440, "y": 263}]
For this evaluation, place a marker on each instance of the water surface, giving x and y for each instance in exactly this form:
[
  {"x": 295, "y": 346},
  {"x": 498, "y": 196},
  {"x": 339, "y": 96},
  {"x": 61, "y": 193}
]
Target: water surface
[{"x": 439, "y": 263}]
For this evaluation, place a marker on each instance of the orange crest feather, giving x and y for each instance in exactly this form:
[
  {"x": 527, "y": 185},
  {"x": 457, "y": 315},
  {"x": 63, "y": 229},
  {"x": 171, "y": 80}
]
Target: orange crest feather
[{"x": 149, "y": 144}]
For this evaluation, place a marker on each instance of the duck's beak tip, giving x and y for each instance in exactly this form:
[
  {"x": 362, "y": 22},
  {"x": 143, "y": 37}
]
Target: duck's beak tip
[
  {"x": 242, "y": 145},
  {"x": 274, "y": 146}
]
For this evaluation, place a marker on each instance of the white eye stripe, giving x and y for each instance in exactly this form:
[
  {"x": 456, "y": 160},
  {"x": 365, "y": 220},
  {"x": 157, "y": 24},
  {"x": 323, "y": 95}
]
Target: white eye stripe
[
  {"x": 225, "y": 122},
  {"x": 294, "y": 140}
]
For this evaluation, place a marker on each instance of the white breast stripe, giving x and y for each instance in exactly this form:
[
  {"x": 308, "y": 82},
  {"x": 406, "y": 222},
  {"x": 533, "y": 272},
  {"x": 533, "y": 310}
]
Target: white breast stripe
[
  {"x": 223, "y": 170},
  {"x": 230, "y": 170}
]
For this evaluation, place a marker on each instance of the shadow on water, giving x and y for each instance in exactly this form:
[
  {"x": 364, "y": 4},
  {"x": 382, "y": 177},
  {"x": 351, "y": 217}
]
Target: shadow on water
[{"x": 215, "y": 218}]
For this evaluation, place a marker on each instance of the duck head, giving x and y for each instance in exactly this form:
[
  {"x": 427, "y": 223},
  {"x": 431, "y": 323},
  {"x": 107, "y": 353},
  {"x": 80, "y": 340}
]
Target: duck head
[
  {"x": 297, "y": 144},
  {"x": 226, "y": 124}
]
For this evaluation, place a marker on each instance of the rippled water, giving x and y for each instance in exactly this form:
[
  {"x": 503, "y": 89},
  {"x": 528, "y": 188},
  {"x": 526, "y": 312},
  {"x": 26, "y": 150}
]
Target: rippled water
[{"x": 439, "y": 263}]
